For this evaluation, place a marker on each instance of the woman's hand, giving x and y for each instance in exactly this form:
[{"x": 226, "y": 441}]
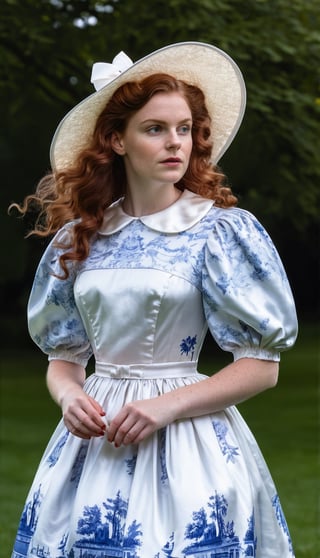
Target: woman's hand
[
  {"x": 81, "y": 413},
  {"x": 137, "y": 420}
]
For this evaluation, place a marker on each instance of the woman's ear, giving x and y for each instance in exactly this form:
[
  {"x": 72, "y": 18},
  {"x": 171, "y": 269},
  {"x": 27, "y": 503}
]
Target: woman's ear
[{"x": 117, "y": 143}]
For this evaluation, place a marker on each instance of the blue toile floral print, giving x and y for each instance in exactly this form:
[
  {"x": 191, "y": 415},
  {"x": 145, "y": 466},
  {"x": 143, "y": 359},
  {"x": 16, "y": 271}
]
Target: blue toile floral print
[
  {"x": 187, "y": 346},
  {"x": 103, "y": 530},
  {"x": 55, "y": 454},
  {"x": 281, "y": 519},
  {"x": 221, "y": 430},
  {"x": 139, "y": 308}
]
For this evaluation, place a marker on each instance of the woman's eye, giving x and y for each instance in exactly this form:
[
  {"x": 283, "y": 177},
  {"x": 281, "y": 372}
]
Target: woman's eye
[
  {"x": 185, "y": 129},
  {"x": 154, "y": 129}
]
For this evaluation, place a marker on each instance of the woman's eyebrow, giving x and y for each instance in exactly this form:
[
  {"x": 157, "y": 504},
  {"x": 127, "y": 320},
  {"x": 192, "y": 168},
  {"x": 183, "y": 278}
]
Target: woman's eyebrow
[{"x": 159, "y": 121}]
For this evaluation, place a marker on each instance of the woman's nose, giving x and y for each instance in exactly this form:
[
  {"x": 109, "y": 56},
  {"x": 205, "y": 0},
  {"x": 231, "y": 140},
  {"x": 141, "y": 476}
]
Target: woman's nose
[{"x": 173, "y": 141}]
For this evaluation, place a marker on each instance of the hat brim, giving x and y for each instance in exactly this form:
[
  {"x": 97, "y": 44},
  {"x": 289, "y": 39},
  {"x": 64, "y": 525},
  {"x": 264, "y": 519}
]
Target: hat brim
[{"x": 200, "y": 64}]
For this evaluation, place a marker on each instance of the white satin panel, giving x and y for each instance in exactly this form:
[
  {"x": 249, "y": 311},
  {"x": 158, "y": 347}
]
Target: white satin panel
[{"x": 128, "y": 313}]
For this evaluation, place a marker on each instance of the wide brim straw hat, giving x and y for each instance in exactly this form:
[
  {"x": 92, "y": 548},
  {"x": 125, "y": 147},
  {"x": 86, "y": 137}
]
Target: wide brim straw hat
[{"x": 201, "y": 64}]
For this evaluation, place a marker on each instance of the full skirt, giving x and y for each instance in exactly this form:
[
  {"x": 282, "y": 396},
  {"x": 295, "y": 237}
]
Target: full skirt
[{"x": 198, "y": 488}]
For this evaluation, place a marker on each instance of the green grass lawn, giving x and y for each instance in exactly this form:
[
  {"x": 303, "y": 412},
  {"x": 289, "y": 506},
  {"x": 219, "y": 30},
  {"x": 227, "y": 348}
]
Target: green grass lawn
[{"x": 284, "y": 421}]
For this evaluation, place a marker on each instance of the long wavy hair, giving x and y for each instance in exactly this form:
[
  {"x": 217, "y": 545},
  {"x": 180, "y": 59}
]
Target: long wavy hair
[{"x": 98, "y": 177}]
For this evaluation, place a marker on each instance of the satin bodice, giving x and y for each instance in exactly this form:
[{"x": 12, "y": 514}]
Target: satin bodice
[{"x": 151, "y": 287}]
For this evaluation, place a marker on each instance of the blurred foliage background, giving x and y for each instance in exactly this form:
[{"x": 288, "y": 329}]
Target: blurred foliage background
[{"x": 47, "y": 50}]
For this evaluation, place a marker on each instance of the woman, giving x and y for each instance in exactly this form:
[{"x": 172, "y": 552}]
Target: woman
[{"x": 152, "y": 458}]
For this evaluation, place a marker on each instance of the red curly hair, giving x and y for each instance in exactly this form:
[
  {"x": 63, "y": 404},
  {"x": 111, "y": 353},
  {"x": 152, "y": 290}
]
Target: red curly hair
[{"x": 98, "y": 177}]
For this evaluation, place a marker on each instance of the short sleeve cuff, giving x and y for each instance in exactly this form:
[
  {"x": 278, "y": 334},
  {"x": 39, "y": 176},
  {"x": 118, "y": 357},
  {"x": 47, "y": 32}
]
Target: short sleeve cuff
[
  {"x": 65, "y": 355},
  {"x": 256, "y": 352}
]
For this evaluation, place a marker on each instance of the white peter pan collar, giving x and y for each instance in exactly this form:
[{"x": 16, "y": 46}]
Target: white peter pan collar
[{"x": 178, "y": 217}]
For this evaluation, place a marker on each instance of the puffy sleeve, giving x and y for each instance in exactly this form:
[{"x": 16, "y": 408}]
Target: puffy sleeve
[
  {"x": 53, "y": 318},
  {"x": 247, "y": 299}
]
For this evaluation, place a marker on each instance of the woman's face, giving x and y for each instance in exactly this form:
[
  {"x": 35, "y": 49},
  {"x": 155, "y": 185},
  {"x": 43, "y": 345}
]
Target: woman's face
[{"x": 156, "y": 144}]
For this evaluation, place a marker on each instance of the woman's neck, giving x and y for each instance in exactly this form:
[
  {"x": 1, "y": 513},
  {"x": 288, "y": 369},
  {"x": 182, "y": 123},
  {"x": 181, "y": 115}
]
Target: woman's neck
[{"x": 146, "y": 203}]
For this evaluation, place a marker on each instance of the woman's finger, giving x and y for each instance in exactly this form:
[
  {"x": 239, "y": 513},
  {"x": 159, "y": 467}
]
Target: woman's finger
[{"x": 82, "y": 419}]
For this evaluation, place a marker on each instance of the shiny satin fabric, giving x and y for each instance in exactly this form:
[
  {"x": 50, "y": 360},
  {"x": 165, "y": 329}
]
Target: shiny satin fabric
[
  {"x": 134, "y": 329},
  {"x": 141, "y": 304}
]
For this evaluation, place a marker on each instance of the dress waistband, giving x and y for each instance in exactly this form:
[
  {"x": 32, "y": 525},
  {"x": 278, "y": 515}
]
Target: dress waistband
[{"x": 142, "y": 371}]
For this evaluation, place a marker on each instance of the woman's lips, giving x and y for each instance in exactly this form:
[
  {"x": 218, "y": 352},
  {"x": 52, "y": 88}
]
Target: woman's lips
[{"x": 172, "y": 161}]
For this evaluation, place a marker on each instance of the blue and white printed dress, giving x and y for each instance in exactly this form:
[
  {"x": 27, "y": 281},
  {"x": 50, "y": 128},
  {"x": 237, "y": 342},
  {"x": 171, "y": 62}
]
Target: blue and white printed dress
[{"x": 141, "y": 304}]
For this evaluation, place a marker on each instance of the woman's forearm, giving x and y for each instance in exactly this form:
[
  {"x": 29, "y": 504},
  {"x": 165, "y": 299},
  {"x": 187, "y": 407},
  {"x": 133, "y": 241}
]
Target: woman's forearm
[
  {"x": 81, "y": 413},
  {"x": 62, "y": 377},
  {"x": 233, "y": 384}
]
